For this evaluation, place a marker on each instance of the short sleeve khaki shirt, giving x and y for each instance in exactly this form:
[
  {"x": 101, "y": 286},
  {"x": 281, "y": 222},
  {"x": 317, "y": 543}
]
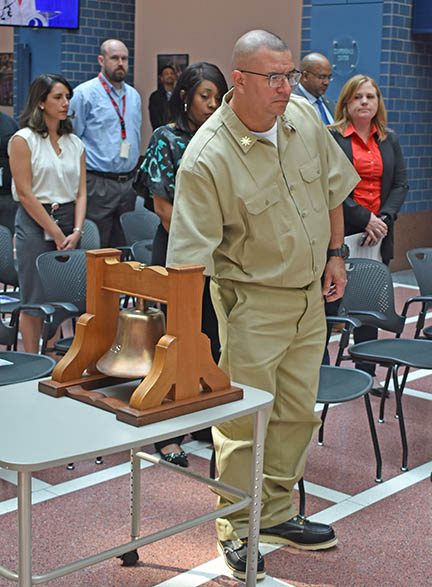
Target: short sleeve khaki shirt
[{"x": 255, "y": 213}]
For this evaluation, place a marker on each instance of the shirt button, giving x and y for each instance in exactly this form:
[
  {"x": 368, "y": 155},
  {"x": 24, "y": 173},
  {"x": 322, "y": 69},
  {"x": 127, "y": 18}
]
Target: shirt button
[
  {"x": 303, "y": 214},
  {"x": 267, "y": 202},
  {"x": 313, "y": 241},
  {"x": 291, "y": 187}
]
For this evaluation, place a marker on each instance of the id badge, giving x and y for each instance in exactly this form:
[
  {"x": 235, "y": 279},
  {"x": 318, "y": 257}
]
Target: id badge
[{"x": 124, "y": 150}]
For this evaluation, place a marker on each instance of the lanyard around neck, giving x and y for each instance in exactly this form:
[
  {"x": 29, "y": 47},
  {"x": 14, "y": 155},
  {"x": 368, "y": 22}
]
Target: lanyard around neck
[{"x": 116, "y": 107}]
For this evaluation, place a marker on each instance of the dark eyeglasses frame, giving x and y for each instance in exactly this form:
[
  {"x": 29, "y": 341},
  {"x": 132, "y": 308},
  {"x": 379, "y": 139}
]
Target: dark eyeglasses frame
[{"x": 275, "y": 80}]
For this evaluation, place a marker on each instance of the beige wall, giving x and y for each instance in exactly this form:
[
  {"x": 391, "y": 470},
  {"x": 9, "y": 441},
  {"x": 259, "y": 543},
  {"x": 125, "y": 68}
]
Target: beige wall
[
  {"x": 6, "y": 46},
  {"x": 206, "y": 31}
]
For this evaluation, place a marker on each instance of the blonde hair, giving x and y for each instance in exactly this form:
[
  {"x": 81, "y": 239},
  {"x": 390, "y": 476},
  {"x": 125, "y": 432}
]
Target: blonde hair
[{"x": 341, "y": 117}]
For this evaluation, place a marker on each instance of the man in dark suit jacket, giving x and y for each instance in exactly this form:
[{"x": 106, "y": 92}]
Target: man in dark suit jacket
[
  {"x": 158, "y": 102},
  {"x": 316, "y": 76}
]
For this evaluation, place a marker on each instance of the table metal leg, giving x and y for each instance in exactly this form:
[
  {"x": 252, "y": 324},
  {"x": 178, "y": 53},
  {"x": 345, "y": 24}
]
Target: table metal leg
[
  {"x": 24, "y": 529},
  {"x": 135, "y": 494},
  {"x": 256, "y": 491}
]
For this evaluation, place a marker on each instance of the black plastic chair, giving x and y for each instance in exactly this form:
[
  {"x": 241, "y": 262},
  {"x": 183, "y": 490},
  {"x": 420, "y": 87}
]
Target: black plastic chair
[
  {"x": 10, "y": 297},
  {"x": 369, "y": 297},
  {"x": 393, "y": 354},
  {"x": 24, "y": 367},
  {"x": 91, "y": 237},
  {"x": 421, "y": 262},
  {"x": 63, "y": 275},
  {"x": 8, "y": 274},
  {"x": 340, "y": 385},
  {"x": 138, "y": 226},
  {"x": 142, "y": 251}
]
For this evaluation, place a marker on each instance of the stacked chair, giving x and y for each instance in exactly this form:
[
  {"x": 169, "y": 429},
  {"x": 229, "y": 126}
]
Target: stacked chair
[{"x": 369, "y": 297}]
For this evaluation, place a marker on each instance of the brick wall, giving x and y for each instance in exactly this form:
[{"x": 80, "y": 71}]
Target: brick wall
[
  {"x": 72, "y": 52},
  {"x": 99, "y": 20},
  {"x": 406, "y": 82}
]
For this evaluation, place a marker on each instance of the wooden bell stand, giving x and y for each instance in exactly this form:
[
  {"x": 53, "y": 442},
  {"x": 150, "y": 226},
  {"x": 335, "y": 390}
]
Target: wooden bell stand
[{"x": 183, "y": 378}]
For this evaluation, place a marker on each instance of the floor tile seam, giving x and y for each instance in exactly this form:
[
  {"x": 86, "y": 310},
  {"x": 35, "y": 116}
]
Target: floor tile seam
[
  {"x": 357, "y": 502},
  {"x": 215, "y": 568},
  {"x": 96, "y": 478},
  {"x": 198, "y": 575},
  {"x": 394, "y": 485},
  {"x": 11, "y": 477},
  {"x": 79, "y": 483},
  {"x": 324, "y": 492},
  {"x": 11, "y": 505},
  {"x": 418, "y": 394},
  {"x": 405, "y": 285},
  {"x": 115, "y": 472},
  {"x": 85, "y": 482}
]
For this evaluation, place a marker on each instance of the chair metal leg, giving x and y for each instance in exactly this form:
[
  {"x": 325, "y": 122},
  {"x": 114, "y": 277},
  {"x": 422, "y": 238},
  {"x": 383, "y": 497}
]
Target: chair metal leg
[
  {"x": 398, "y": 393},
  {"x": 302, "y": 498},
  {"x": 321, "y": 430},
  {"x": 212, "y": 465},
  {"x": 374, "y": 436},
  {"x": 404, "y": 378},
  {"x": 384, "y": 396}
]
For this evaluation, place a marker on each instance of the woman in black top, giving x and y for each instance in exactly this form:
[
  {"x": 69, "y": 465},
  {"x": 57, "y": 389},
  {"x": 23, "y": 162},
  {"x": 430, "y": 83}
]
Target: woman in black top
[{"x": 197, "y": 94}]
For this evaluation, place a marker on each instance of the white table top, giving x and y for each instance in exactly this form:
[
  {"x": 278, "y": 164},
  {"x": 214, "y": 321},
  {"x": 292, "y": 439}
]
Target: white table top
[{"x": 38, "y": 431}]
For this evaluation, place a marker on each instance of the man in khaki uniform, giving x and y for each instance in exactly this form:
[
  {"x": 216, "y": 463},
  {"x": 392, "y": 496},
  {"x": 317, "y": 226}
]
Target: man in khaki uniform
[{"x": 258, "y": 202}]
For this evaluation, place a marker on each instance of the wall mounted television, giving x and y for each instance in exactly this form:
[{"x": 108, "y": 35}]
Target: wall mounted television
[{"x": 62, "y": 14}]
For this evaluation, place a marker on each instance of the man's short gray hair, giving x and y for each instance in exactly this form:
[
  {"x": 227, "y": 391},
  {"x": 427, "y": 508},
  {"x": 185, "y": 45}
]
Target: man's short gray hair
[{"x": 251, "y": 42}]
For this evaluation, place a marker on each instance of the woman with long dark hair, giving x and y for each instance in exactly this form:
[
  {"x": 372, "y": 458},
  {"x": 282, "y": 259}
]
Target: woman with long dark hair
[
  {"x": 48, "y": 168},
  {"x": 197, "y": 94}
]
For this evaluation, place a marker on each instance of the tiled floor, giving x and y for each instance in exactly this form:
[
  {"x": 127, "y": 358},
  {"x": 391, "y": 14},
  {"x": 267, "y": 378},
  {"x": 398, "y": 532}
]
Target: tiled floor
[{"x": 384, "y": 530}]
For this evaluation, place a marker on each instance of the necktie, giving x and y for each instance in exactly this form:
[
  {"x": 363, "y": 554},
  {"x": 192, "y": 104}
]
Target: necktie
[{"x": 322, "y": 111}]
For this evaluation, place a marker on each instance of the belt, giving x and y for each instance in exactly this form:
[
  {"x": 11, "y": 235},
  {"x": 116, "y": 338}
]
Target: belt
[
  {"x": 48, "y": 207},
  {"x": 120, "y": 177}
]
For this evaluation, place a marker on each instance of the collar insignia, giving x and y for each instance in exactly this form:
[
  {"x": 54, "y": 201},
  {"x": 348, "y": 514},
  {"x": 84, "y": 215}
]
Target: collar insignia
[{"x": 245, "y": 141}]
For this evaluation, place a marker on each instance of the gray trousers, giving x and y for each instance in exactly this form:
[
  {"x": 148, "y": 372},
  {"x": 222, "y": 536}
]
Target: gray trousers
[{"x": 107, "y": 199}]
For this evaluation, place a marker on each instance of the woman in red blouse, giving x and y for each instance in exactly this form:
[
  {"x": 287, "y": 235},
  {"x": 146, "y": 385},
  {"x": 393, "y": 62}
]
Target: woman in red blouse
[{"x": 374, "y": 150}]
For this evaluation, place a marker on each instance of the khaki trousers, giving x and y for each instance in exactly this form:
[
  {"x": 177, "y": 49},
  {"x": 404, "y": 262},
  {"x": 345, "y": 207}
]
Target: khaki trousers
[{"x": 272, "y": 339}]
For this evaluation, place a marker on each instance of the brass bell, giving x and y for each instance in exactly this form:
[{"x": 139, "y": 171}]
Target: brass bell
[{"x": 131, "y": 354}]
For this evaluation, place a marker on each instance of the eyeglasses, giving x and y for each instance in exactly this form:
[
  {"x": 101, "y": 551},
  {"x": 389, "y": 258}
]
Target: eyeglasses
[
  {"x": 321, "y": 77},
  {"x": 276, "y": 80}
]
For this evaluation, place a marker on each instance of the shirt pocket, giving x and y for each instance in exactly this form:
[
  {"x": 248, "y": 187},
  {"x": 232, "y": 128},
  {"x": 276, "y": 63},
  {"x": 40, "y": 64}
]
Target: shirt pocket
[
  {"x": 311, "y": 174},
  {"x": 262, "y": 200},
  {"x": 261, "y": 231}
]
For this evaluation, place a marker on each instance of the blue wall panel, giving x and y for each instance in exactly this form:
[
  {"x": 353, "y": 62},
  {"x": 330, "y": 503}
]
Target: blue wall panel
[
  {"x": 45, "y": 49},
  {"x": 350, "y": 36},
  {"x": 43, "y": 55}
]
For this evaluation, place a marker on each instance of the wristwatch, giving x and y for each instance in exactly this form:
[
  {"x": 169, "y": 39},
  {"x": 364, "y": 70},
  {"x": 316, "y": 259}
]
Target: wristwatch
[{"x": 342, "y": 251}]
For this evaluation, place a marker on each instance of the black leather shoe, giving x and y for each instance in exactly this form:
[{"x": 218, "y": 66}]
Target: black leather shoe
[
  {"x": 176, "y": 458},
  {"x": 300, "y": 533},
  {"x": 378, "y": 392},
  {"x": 234, "y": 553}
]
